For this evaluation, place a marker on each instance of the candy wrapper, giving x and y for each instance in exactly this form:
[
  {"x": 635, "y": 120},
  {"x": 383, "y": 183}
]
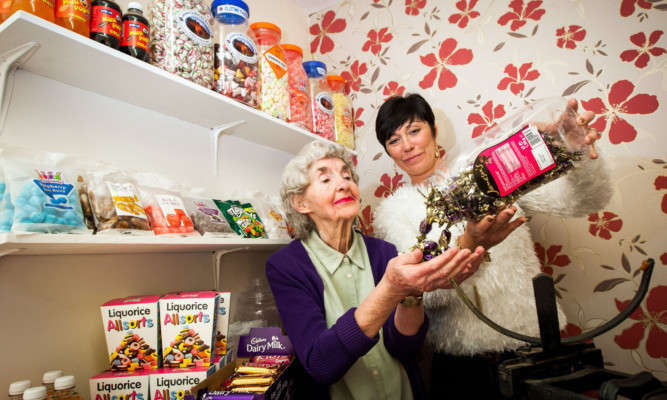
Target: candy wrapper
[
  {"x": 208, "y": 218},
  {"x": 535, "y": 146},
  {"x": 164, "y": 206},
  {"x": 116, "y": 205},
  {"x": 242, "y": 217},
  {"x": 270, "y": 211},
  {"x": 44, "y": 195}
]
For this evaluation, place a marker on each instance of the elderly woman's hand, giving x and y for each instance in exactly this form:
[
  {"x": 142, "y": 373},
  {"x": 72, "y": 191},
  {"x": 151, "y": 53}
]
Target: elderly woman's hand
[{"x": 408, "y": 275}]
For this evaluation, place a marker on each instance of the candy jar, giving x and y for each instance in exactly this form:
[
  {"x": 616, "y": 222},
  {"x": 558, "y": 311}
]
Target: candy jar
[
  {"x": 73, "y": 15},
  {"x": 343, "y": 121},
  {"x": 42, "y": 9},
  {"x": 481, "y": 176},
  {"x": 236, "y": 69},
  {"x": 320, "y": 99},
  {"x": 298, "y": 88},
  {"x": 182, "y": 39},
  {"x": 273, "y": 97}
]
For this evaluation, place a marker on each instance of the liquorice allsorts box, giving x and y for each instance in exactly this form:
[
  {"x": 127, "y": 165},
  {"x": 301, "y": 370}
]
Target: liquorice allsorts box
[
  {"x": 175, "y": 383},
  {"x": 131, "y": 326},
  {"x": 120, "y": 385},
  {"x": 188, "y": 323}
]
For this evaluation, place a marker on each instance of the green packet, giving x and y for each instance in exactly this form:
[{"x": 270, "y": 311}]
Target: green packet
[{"x": 242, "y": 218}]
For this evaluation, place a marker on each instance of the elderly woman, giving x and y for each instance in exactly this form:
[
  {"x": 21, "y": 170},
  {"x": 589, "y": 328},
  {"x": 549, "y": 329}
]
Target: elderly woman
[{"x": 351, "y": 307}]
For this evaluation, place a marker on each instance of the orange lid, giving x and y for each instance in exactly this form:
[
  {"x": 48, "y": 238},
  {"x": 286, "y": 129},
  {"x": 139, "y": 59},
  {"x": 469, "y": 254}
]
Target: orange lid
[
  {"x": 266, "y": 25},
  {"x": 292, "y": 47},
  {"x": 335, "y": 78}
]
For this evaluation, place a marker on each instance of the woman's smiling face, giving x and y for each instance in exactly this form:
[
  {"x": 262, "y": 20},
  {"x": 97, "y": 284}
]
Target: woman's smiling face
[
  {"x": 413, "y": 149},
  {"x": 332, "y": 194}
]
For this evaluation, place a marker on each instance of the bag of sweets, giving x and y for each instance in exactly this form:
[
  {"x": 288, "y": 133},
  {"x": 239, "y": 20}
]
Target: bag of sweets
[
  {"x": 116, "y": 205},
  {"x": 242, "y": 217},
  {"x": 271, "y": 213},
  {"x": 538, "y": 144},
  {"x": 6, "y": 207},
  {"x": 44, "y": 195},
  {"x": 208, "y": 218},
  {"x": 164, "y": 206}
]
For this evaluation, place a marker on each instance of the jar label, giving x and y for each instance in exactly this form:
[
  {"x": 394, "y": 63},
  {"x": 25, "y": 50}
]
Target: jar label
[
  {"x": 105, "y": 20},
  {"x": 5, "y": 6},
  {"x": 324, "y": 102},
  {"x": 135, "y": 34},
  {"x": 125, "y": 200},
  {"x": 230, "y": 9},
  {"x": 346, "y": 117},
  {"x": 195, "y": 25},
  {"x": 241, "y": 47},
  {"x": 302, "y": 91},
  {"x": 276, "y": 59},
  {"x": 74, "y": 9},
  {"x": 54, "y": 185},
  {"x": 504, "y": 167}
]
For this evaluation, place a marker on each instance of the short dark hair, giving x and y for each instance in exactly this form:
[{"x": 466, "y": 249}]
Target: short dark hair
[{"x": 398, "y": 110}]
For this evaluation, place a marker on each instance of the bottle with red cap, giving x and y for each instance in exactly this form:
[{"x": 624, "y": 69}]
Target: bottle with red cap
[{"x": 298, "y": 88}]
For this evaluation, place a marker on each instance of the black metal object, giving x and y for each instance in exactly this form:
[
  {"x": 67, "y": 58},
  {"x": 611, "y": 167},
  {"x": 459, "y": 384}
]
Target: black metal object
[{"x": 569, "y": 368}]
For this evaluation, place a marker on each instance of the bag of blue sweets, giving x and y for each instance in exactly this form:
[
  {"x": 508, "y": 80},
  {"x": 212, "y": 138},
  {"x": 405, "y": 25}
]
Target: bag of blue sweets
[
  {"x": 44, "y": 191},
  {"x": 6, "y": 207}
]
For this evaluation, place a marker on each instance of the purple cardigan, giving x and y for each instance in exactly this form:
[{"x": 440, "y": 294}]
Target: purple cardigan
[{"x": 327, "y": 353}]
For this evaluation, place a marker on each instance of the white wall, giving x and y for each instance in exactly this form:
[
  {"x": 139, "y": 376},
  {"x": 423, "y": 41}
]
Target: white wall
[{"x": 50, "y": 304}]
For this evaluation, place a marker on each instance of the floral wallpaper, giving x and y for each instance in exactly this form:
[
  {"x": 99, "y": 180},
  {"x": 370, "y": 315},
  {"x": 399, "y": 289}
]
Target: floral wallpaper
[{"x": 476, "y": 62}]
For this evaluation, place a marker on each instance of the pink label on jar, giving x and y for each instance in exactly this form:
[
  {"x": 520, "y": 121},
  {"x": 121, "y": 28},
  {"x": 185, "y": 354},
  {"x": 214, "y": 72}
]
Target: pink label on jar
[{"x": 513, "y": 162}]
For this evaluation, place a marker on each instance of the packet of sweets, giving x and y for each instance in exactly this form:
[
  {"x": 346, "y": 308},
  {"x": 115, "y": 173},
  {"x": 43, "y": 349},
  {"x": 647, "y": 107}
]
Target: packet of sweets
[
  {"x": 271, "y": 215},
  {"x": 207, "y": 217},
  {"x": 164, "y": 206},
  {"x": 43, "y": 190},
  {"x": 6, "y": 206},
  {"x": 242, "y": 218},
  {"x": 116, "y": 205}
]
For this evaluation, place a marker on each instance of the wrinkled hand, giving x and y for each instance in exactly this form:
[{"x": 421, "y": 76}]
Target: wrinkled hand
[
  {"x": 490, "y": 230},
  {"x": 407, "y": 275},
  {"x": 583, "y": 119}
]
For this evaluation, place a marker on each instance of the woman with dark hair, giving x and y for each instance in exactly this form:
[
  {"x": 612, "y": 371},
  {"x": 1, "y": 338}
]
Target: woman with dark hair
[{"x": 466, "y": 351}]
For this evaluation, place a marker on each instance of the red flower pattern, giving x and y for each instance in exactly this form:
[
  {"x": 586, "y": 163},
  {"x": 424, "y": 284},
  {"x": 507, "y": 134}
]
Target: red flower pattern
[
  {"x": 487, "y": 119},
  {"x": 550, "y": 257},
  {"x": 375, "y": 40},
  {"x": 568, "y": 38},
  {"x": 448, "y": 55},
  {"x": 466, "y": 13},
  {"x": 646, "y": 49},
  {"x": 628, "y": 6},
  {"x": 603, "y": 225},
  {"x": 357, "y": 117},
  {"x": 652, "y": 320},
  {"x": 570, "y": 330},
  {"x": 388, "y": 185},
  {"x": 661, "y": 184},
  {"x": 521, "y": 13},
  {"x": 412, "y": 7},
  {"x": 516, "y": 77},
  {"x": 393, "y": 89},
  {"x": 321, "y": 31},
  {"x": 366, "y": 221},
  {"x": 353, "y": 77},
  {"x": 620, "y": 102}
]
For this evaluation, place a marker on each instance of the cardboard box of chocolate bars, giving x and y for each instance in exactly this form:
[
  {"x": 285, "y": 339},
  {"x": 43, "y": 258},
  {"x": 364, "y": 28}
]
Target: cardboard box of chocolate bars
[{"x": 260, "y": 341}]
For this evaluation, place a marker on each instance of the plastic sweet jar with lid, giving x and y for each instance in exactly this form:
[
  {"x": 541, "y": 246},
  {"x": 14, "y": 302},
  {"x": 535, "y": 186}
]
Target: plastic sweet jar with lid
[
  {"x": 298, "y": 88},
  {"x": 273, "y": 98},
  {"x": 236, "y": 68},
  {"x": 182, "y": 39},
  {"x": 343, "y": 114},
  {"x": 320, "y": 99}
]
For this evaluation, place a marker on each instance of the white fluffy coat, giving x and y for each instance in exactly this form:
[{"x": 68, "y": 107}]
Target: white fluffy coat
[{"x": 504, "y": 284}]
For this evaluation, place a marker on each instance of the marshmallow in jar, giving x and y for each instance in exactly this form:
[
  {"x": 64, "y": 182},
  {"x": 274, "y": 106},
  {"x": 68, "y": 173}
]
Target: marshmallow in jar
[
  {"x": 182, "y": 39},
  {"x": 298, "y": 88},
  {"x": 343, "y": 120},
  {"x": 321, "y": 101},
  {"x": 236, "y": 70},
  {"x": 273, "y": 98}
]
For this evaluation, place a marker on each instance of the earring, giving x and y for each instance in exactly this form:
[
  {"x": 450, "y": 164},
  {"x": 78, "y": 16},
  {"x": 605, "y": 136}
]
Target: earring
[
  {"x": 437, "y": 153},
  {"x": 395, "y": 170}
]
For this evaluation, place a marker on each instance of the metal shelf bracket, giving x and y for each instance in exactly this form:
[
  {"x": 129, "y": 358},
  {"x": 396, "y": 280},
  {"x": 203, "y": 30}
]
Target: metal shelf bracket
[
  {"x": 216, "y": 132},
  {"x": 9, "y": 62}
]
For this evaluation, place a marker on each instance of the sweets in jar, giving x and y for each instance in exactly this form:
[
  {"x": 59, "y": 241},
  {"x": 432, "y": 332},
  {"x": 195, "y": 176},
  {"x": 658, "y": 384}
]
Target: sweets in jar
[
  {"x": 320, "y": 99},
  {"x": 298, "y": 88},
  {"x": 273, "y": 98},
  {"x": 236, "y": 69},
  {"x": 343, "y": 117}
]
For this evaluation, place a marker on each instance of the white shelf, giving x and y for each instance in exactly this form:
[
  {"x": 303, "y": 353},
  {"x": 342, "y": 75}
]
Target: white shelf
[
  {"x": 81, "y": 62},
  {"x": 61, "y": 244}
]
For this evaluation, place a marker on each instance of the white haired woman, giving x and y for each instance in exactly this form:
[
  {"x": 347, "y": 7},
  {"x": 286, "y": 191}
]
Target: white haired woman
[{"x": 350, "y": 305}]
